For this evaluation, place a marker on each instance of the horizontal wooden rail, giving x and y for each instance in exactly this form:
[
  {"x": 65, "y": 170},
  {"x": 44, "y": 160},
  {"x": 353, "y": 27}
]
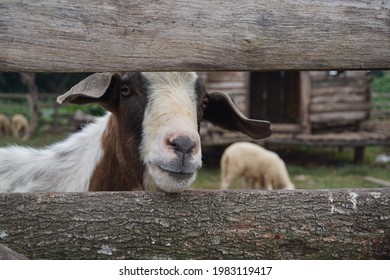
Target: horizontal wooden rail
[
  {"x": 301, "y": 224},
  {"x": 148, "y": 35}
]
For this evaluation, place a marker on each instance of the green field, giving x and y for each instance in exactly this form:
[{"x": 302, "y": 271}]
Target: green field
[
  {"x": 38, "y": 141},
  {"x": 319, "y": 177},
  {"x": 311, "y": 168}
]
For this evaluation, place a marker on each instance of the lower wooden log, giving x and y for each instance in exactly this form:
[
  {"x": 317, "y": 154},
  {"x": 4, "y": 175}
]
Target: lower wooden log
[
  {"x": 300, "y": 224},
  {"x": 8, "y": 254}
]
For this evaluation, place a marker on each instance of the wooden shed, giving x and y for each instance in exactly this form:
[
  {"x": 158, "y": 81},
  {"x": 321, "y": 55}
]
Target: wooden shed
[{"x": 317, "y": 108}]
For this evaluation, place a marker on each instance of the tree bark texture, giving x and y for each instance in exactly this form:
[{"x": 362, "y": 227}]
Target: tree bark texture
[
  {"x": 300, "y": 224},
  {"x": 148, "y": 35}
]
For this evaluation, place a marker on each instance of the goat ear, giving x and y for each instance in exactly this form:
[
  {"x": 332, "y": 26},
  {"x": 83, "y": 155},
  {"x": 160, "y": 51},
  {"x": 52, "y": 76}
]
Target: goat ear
[
  {"x": 221, "y": 111},
  {"x": 93, "y": 89}
]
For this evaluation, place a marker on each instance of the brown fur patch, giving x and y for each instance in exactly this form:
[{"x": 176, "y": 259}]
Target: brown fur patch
[{"x": 120, "y": 168}]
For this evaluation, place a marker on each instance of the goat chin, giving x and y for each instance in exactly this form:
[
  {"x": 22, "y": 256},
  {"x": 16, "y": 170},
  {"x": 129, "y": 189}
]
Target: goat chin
[{"x": 169, "y": 181}]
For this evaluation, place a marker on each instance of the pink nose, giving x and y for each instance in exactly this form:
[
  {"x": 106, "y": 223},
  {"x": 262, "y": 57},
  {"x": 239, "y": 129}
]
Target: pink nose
[{"x": 182, "y": 144}]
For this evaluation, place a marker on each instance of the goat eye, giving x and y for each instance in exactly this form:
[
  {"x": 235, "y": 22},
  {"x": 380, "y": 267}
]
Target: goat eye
[
  {"x": 205, "y": 102},
  {"x": 125, "y": 90}
]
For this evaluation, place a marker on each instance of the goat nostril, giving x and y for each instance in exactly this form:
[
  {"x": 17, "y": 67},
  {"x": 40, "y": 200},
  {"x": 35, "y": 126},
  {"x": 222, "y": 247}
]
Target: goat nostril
[{"x": 183, "y": 144}]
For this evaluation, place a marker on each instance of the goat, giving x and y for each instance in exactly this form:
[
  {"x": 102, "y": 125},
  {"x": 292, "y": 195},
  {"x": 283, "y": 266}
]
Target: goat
[
  {"x": 5, "y": 125},
  {"x": 20, "y": 127},
  {"x": 148, "y": 140},
  {"x": 256, "y": 165}
]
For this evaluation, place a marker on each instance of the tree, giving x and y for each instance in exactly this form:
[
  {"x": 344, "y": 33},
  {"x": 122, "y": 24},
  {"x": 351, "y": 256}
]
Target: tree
[{"x": 28, "y": 79}]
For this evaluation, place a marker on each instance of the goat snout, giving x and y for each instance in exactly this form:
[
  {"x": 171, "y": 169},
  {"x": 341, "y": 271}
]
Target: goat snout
[
  {"x": 183, "y": 150},
  {"x": 174, "y": 161},
  {"x": 182, "y": 145}
]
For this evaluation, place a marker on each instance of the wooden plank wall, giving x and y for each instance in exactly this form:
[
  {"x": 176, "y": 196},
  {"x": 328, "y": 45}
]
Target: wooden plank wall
[{"x": 339, "y": 101}]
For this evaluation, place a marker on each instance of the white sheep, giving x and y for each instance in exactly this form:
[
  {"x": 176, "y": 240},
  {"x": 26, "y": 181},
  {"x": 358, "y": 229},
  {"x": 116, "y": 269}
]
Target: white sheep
[
  {"x": 149, "y": 139},
  {"x": 5, "y": 125},
  {"x": 256, "y": 164},
  {"x": 20, "y": 127}
]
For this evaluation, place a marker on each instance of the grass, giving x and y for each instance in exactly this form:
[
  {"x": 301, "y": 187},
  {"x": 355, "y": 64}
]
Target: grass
[
  {"x": 321, "y": 177},
  {"x": 382, "y": 84},
  {"x": 311, "y": 168},
  {"x": 41, "y": 140}
]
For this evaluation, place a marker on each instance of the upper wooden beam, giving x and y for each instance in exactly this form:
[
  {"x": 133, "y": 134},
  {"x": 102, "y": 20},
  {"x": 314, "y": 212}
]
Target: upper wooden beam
[{"x": 148, "y": 35}]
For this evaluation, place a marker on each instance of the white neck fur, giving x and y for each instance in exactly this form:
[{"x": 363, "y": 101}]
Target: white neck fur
[{"x": 64, "y": 167}]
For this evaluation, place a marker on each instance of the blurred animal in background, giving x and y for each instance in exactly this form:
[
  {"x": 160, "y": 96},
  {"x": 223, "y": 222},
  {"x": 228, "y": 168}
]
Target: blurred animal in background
[
  {"x": 257, "y": 165},
  {"x": 5, "y": 126},
  {"x": 20, "y": 127}
]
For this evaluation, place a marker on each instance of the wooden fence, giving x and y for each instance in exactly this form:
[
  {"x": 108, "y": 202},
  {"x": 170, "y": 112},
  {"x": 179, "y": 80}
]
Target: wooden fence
[
  {"x": 207, "y": 35},
  {"x": 89, "y": 36},
  {"x": 301, "y": 224}
]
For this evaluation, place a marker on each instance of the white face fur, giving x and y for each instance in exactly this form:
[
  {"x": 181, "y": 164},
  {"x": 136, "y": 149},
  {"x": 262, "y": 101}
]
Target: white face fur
[{"x": 171, "y": 114}]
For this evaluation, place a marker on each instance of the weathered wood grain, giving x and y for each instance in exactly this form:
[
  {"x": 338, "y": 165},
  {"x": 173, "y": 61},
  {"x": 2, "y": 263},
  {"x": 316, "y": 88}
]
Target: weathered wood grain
[
  {"x": 378, "y": 181},
  {"x": 345, "y": 139},
  {"x": 340, "y": 107},
  {"x": 8, "y": 254},
  {"x": 301, "y": 224},
  {"x": 89, "y": 36},
  {"x": 338, "y": 117}
]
